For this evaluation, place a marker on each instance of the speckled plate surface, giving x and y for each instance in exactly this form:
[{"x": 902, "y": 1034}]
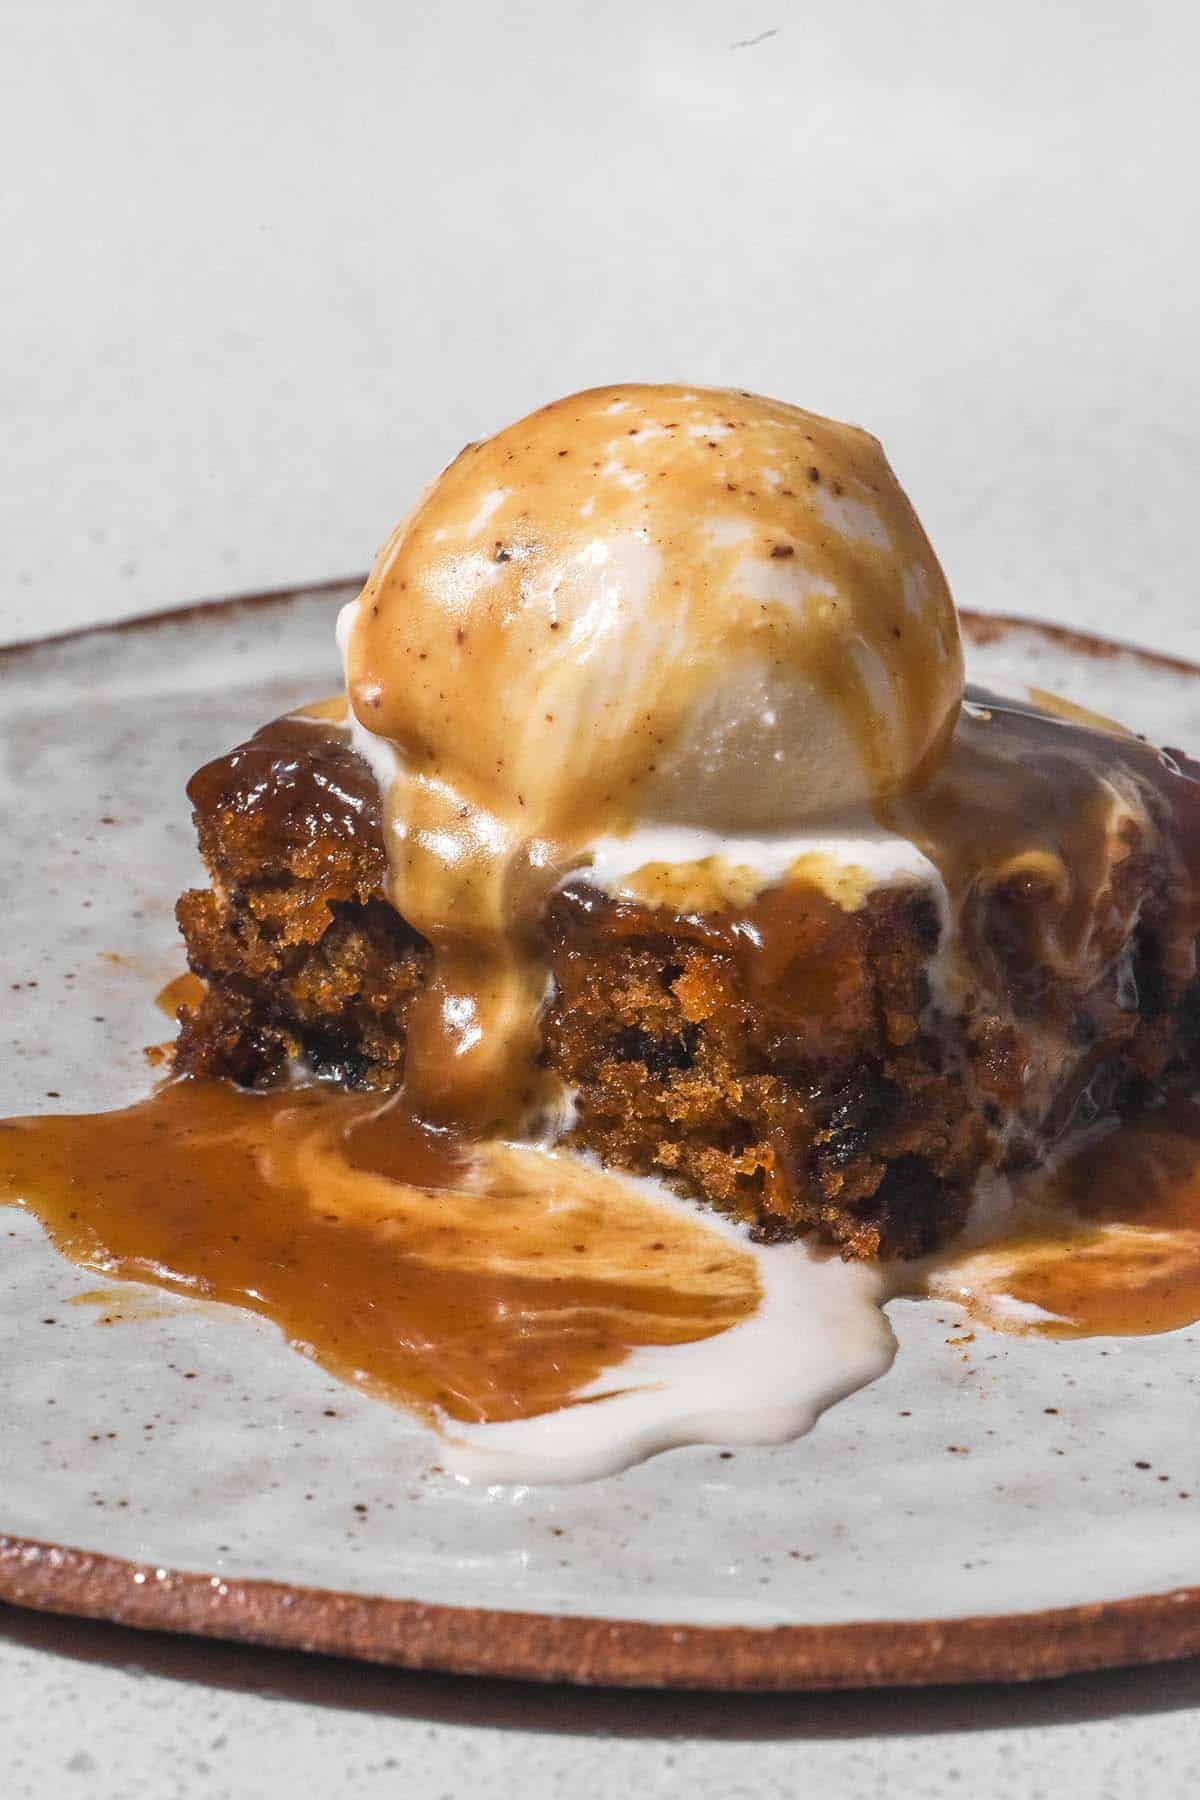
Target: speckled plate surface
[{"x": 1001, "y": 1507}]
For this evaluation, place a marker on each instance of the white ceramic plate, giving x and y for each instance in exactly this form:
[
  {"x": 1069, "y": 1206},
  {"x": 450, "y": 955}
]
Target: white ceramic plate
[{"x": 168, "y": 1468}]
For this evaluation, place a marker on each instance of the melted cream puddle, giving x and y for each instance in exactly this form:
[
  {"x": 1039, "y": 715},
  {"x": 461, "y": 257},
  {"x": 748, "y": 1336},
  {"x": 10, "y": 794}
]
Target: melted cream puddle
[
  {"x": 817, "y": 1334},
  {"x": 551, "y": 1319}
]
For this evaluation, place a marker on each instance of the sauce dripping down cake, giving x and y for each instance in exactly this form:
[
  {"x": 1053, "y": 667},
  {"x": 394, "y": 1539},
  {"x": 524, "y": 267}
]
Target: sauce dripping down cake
[{"x": 690, "y": 946}]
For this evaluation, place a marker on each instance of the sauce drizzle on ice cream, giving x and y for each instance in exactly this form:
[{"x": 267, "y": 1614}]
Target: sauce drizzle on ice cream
[{"x": 687, "y": 605}]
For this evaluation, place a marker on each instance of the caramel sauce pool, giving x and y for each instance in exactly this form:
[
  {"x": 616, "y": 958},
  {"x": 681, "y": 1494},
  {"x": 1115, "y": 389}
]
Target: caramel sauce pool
[
  {"x": 1107, "y": 1244},
  {"x": 489, "y": 1285}
]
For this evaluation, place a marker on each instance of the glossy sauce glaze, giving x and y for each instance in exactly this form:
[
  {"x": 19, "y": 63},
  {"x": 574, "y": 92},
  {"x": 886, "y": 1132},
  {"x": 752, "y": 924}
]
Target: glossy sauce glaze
[
  {"x": 1042, "y": 807},
  {"x": 1057, "y": 860},
  {"x": 482, "y": 1285},
  {"x": 182, "y": 991},
  {"x": 638, "y": 603},
  {"x": 1106, "y": 1243},
  {"x": 275, "y": 777}
]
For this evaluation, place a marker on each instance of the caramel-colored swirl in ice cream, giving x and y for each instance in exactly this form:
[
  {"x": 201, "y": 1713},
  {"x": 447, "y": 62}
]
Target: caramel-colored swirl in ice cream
[{"x": 678, "y": 605}]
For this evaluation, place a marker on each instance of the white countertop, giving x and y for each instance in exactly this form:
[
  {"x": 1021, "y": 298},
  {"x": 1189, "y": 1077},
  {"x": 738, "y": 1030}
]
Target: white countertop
[
  {"x": 274, "y": 264},
  {"x": 89, "y": 1711}
]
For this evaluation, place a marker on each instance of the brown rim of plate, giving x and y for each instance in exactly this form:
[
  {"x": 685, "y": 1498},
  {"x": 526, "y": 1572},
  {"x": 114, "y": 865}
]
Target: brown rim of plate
[{"x": 463, "y": 1640}]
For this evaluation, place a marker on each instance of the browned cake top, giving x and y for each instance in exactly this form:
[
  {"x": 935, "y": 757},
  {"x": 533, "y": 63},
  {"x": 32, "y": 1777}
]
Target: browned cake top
[{"x": 296, "y": 775}]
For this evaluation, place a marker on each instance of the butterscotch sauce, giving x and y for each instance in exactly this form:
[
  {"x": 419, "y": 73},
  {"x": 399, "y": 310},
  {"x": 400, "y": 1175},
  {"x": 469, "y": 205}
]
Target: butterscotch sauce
[
  {"x": 183, "y": 990},
  {"x": 276, "y": 777},
  {"x": 644, "y": 611},
  {"x": 693, "y": 605},
  {"x": 1029, "y": 817},
  {"x": 486, "y": 1284},
  {"x": 498, "y": 1284},
  {"x": 1049, "y": 833},
  {"x": 1107, "y": 1243}
]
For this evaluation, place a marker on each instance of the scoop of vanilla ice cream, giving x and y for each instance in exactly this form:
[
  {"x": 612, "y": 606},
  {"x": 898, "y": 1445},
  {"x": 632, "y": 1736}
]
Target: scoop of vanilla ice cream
[
  {"x": 637, "y": 626},
  {"x": 690, "y": 605}
]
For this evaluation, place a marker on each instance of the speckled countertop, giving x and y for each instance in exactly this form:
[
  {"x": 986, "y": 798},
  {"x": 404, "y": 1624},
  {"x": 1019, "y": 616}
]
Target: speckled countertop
[
  {"x": 274, "y": 266},
  {"x": 90, "y": 1711}
]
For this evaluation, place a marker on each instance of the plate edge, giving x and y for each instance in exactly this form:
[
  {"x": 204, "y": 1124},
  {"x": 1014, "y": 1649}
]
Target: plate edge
[{"x": 598, "y": 1652}]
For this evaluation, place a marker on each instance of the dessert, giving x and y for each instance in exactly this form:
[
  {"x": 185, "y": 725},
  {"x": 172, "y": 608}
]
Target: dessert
[
  {"x": 658, "y": 825},
  {"x": 656, "y": 961}
]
